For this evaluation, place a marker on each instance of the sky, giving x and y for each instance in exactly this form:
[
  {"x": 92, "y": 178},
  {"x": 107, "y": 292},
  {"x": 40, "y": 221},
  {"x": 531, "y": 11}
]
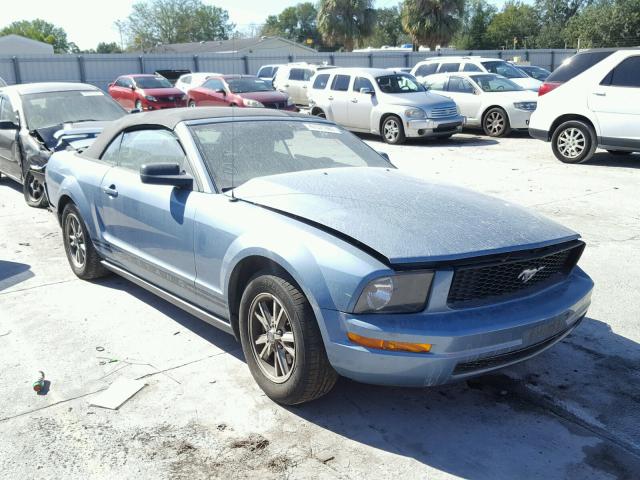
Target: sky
[{"x": 88, "y": 22}]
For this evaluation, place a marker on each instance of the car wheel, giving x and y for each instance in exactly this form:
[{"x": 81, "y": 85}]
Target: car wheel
[
  {"x": 573, "y": 142},
  {"x": 82, "y": 256},
  {"x": 139, "y": 105},
  {"x": 320, "y": 113},
  {"x": 282, "y": 342},
  {"x": 192, "y": 104},
  {"x": 392, "y": 130},
  {"x": 496, "y": 123},
  {"x": 619, "y": 152},
  {"x": 34, "y": 193}
]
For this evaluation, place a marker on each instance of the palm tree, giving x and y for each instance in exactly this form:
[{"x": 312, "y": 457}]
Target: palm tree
[
  {"x": 431, "y": 22},
  {"x": 344, "y": 21}
]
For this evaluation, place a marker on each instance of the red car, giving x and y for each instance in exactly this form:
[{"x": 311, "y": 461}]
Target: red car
[
  {"x": 146, "y": 92},
  {"x": 239, "y": 91}
]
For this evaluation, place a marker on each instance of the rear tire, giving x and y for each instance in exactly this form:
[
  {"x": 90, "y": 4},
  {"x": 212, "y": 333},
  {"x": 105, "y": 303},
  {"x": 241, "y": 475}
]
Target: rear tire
[
  {"x": 192, "y": 104},
  {"x": 34, "y": 193},
  {"x": 393, "y": 130},
  {"x": 286, "y": 358},
  {"x": 495, "y": 122},
  {"x": 82, "y": 256},
  {"x": 139, "y": 105},
  {"x": 573, "y": 142}
]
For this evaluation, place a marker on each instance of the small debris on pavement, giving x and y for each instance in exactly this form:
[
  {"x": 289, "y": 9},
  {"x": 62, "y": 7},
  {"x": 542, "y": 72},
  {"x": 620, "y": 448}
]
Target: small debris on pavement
[
  {"x": 24, "y": 244},
  {"x": 326, "y": 458},
  {"x": 177, "y": 333},
  {"x": 100, "y": 349},
  {"x": 38, "y": 385},
  {"x": 119, "y": 392},
  {"x": 5, "y": 334}
]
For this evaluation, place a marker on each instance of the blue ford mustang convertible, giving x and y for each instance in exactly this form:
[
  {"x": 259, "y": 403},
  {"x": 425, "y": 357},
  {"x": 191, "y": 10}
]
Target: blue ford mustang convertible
[{"x": 311, "y": 248}]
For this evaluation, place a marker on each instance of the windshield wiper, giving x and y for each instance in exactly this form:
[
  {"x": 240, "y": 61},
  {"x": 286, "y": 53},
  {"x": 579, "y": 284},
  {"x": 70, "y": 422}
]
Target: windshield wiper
[{"x": 84, "y": 120}]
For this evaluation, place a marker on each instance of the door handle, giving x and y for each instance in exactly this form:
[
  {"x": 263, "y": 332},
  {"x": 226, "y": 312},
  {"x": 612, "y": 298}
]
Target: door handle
[
  {"x": 330, "y": 98},
  {"x": 286, "y": 85},
  {"x": 354, "y": 100},
  {"x": 110, "y": 190},
  {"x": 304, "y": 86},
  {"x": 600, "y": 94}
]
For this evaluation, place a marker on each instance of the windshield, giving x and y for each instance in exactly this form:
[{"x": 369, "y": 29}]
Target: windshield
[
  {"x": 538, "y": 73},
  {"x": 503, "y": 68},
  {"x": 242, "y": 85},
  {"x": 152, "y": 82},
  {"x": 495, "y": 83},
  {"x": 55, "y": 108},
  {"x": 235, "y": 152},
  {"x": 400, "y": 83}
]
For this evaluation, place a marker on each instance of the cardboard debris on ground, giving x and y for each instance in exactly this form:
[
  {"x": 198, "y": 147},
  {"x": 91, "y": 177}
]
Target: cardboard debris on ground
[{"x": 119, "y": 392}]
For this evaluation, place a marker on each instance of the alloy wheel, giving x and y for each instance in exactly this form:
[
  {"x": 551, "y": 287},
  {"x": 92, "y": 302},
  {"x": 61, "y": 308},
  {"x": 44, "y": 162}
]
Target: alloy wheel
[
  {"x": 391, "y": 130},
  {"x": 495, "y": 123},
  {"x": 571, "y": 142},
  {"x": 76, "y": 241},
  {"x": 271, "y": 336},
  {"x": 34, "y": 188}
]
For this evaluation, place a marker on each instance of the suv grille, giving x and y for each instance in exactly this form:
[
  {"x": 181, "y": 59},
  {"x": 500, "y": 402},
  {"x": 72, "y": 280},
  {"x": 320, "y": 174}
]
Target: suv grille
[
  {"x": 478, "y": 284},
  {"x": 444, "y": 112},
  {"x": 276, "y": 105}
]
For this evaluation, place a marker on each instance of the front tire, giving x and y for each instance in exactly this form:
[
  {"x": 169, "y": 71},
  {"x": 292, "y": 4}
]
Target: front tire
[
  {"x": 393, "y": 131},
  {"x": 139, "y": 105},
  {"x": 282, "y": 343},
  {"x": 82, "y": 256},
  {"x": 573, "y": 142},
  {"x": 495, "y": 123},
  {"x": 192, "y": 104},
  {"x": 33, "y": 191}
]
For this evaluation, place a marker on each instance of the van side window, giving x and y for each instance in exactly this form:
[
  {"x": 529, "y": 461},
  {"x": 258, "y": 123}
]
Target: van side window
[
  {"x": 626, "y": 74},
  {"x": 296, "y": 74},
  {"x": 426, "y": 69},
  {"x": 341, "y": 83},
  {"x": 449, "y": 67},
  {"x": 321, "y": 81},
  {"x": 471, "y": 67}
]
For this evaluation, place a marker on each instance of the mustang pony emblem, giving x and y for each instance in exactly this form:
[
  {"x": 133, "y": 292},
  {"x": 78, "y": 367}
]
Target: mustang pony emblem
[{"x": 528, "y": 274}]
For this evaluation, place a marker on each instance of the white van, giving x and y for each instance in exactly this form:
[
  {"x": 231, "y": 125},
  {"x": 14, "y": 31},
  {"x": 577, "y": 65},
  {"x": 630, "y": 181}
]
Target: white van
[{"x": 293, "y": 79}]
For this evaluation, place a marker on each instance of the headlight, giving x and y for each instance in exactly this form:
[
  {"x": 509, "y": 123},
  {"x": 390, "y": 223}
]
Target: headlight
[
  {"x": 151, "y": 98},
  {"x": 529, "y": 106},
  {"x": 252, "y": 103},
  {"x": 290, "y": 101},
  {"x": 414, "y": 113},
  {"x": 402, "y": 293}
]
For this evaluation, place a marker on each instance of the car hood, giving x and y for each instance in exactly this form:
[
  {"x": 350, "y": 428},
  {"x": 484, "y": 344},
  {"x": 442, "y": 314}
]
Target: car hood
[
  {"x": 527, "y": 83},
  {"x": 403, "y": 218},
  {"x": 268, "y": 97},
  {"x": 416, "y": 99},
  {"x": 162, "y": 92},
  {"x": 74, "y": 135}
]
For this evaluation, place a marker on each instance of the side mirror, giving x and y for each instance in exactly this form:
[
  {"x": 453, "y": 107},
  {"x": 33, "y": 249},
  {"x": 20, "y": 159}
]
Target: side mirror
[
  {"x": 135, "y": 110},
  {"x": 8, "y": 125},
  {"x": 367, "y": 91},
  {"x": 165, "y": 174},
  {"x": 385, "y": 155},
  {"x": 221, "y": 91},
  {"x": 132, "y": 87}
]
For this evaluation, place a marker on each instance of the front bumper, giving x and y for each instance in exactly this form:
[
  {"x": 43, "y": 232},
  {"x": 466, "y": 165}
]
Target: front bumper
[
  {"x": 433, "y": 128},
  {"x": 465, "y": 342},
  {"x": 519, "y": 119},
  {"x": 539, "y": 134}
]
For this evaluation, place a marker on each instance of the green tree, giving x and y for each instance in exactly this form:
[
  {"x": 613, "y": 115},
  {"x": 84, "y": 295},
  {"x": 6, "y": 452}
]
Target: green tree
[
  {"x": 112, "y": 47},
  {"x": 297, "y": 23},
  {"x": 432, "y": 22},
  {"x": 387, "y": 29},
  {"x": 606, "y": 24},
  {"x": 473, "y": 34},
  {"x": 155, "y": 22},
  {"x": 554, "y": 16},
  {"x": 517, "y": 23},
  {"x": 345, "y": 22},
  {"x": 40, "y": 30}
]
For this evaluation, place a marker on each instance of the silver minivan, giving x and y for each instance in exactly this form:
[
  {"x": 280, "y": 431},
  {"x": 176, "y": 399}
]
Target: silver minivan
[
  {"x": 379, "y": 101},
  {"x": 293, "y": 79}
]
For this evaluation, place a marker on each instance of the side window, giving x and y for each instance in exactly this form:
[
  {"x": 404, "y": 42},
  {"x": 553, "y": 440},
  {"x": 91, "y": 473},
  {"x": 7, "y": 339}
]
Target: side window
[
  {"x": 7, "y": 113},
  {"x": 110, "y": 155},
  {"x": 143, "y": 147},
  {"x": 437, "y": 84},
  {"x": 321, "y": 81},
  {"x": 449, "y": 67},
  {"x": 264, "y": 72},
  {"x": 213, "y": 84},
  {"x": 296, "y": 74},
  {"x": 457, "y": 84},
  {"x": 471, "y": 67},
  {"x": 626, "y": 74},
  {"x": 426, "y": 69},
  {"x": 341, "y": 83},
  {"x": 361, "y": 82},
  {"x": 127, "y": 82},
  {"x": 186, "y": 79},
  {"x": 307, "y": 74}
]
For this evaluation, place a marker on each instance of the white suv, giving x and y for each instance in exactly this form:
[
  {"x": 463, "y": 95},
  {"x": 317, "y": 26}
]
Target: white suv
[
  {"x": 592, "y": 100},
  {"x": 378, "y": 101},
  {"x": 293, "y": 79},
  {"x": 446, "y": 64},
  {"x": 193, "y": 80}
]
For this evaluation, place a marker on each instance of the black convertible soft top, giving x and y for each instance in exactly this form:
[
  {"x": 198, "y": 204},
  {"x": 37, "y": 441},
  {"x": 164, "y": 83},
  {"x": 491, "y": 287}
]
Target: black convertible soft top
[{"x": 170, "y": 117}]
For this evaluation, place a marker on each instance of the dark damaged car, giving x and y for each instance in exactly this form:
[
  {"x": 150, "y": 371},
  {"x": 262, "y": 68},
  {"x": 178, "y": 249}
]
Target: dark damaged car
[{"x": 40, "y": 118}]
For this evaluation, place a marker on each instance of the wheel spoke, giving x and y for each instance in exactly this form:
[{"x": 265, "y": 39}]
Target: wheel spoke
[
  {"x": 266, "y": 350},
  {"x": 289, "y": 350},
  {"x": 262, "y": 339}
]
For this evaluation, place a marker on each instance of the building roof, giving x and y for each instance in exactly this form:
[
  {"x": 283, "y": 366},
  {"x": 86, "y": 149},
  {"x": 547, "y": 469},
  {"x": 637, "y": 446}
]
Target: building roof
[
  {"x": 43, "y": 87},
  {"x": 10, "y": 36},
  {"x": 224, "y": 46},
  {"x": 170, "y": 117}
]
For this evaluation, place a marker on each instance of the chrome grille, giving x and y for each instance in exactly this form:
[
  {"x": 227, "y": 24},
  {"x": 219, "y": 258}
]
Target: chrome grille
[{"x": 444, "y": 112}]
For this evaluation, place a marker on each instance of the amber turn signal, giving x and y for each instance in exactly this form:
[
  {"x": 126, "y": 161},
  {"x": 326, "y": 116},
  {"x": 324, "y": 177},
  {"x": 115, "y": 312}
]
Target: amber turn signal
[{"x": 389, "y": 344}]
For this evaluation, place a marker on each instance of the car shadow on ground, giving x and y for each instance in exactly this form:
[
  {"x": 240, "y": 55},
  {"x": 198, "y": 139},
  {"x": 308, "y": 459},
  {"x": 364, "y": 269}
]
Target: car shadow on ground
[
  {"x": 606, "y": 159},
  {"x": 7, "y": 182},
  {"x": 454, "y": 141},
  {"x": 13, "y": 273}
]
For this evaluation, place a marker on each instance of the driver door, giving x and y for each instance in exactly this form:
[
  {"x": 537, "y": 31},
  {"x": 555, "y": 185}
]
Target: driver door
[
  {"x": 361, "y": 104},
  {"x": 462, "y": 91},
  {"x": 150, "y": 227},
  {"x": 9, "y": 152},
  {"x": 213, "y": 97}
]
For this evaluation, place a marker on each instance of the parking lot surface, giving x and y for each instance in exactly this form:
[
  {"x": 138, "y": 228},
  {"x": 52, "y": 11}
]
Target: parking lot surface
[{"x": 572, "y": 412}]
